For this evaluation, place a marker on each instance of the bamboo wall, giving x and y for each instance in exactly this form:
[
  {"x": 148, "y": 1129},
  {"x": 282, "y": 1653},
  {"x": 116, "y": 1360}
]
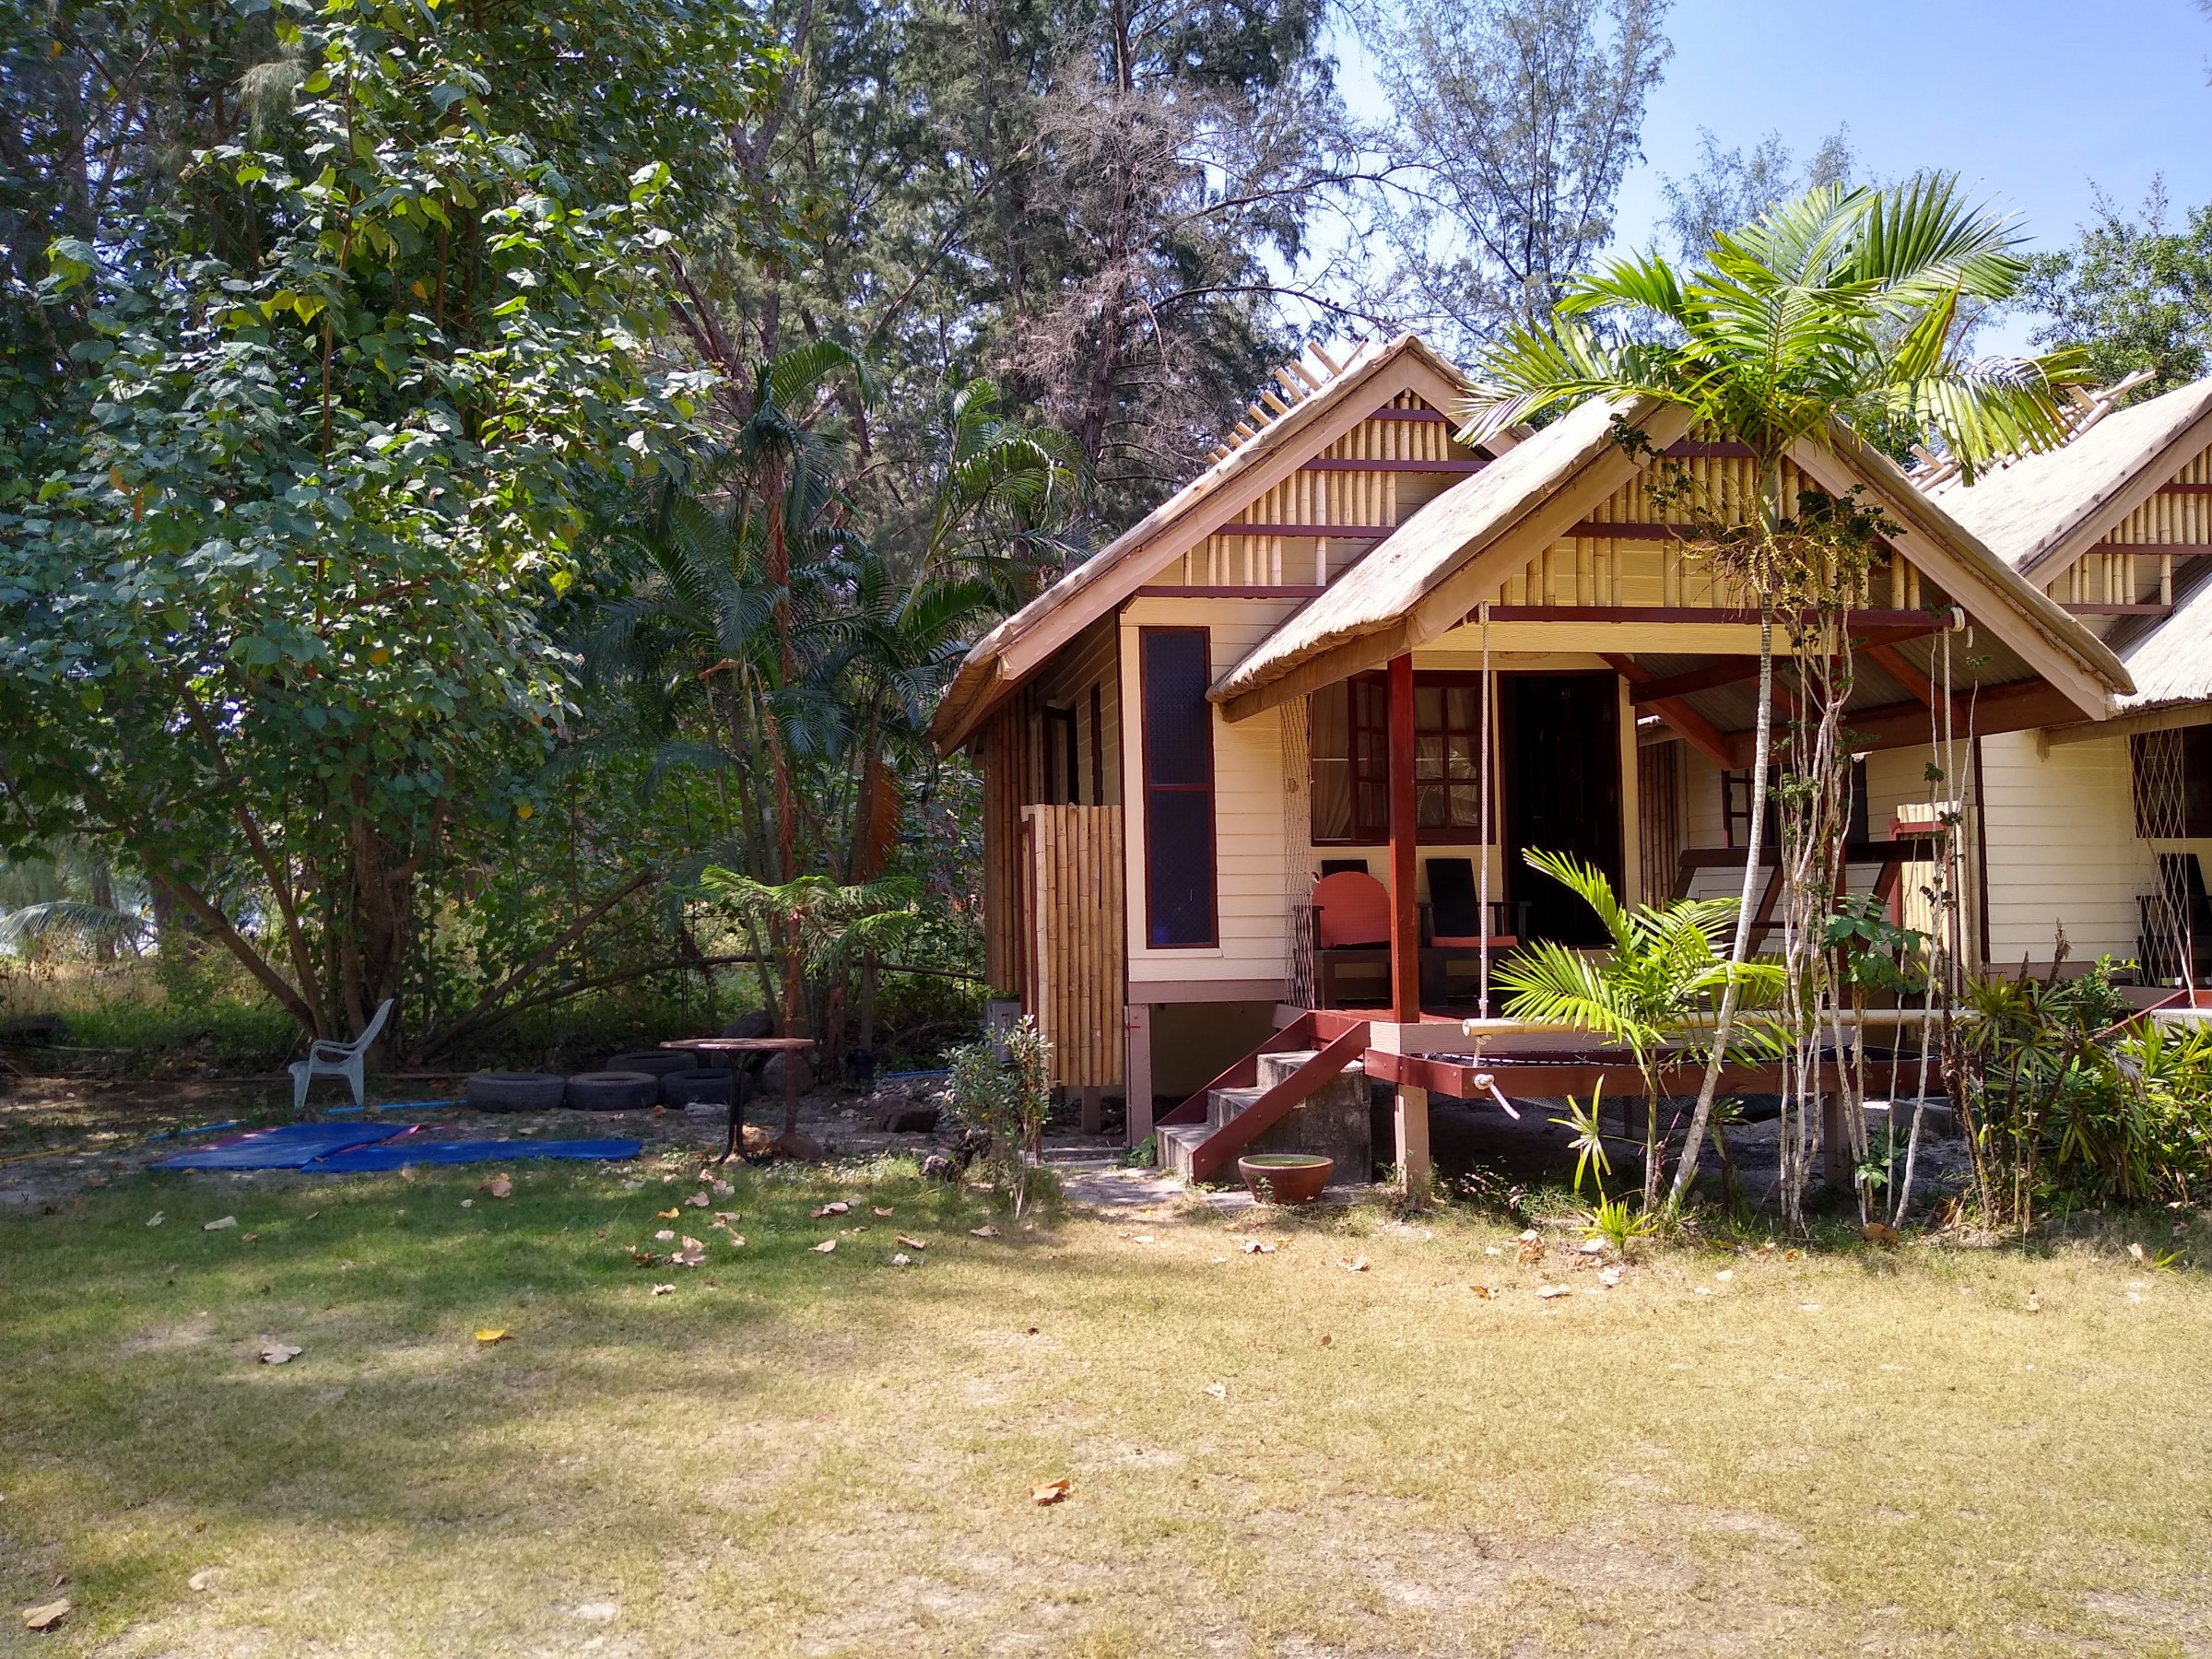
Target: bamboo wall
[{"x": 1075, "y": 984}]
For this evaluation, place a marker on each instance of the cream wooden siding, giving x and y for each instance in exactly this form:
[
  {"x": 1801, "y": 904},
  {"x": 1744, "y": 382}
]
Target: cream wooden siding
[
  {"x": 1701, "y": 822},
  {"x": 1250, "y": 874},
  {"x": 2062, "y": 848}
]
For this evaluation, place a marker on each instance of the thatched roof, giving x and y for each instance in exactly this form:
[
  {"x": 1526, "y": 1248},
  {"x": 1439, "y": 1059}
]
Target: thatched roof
[
  {"x": 1433, "y": 544},
  {"x": 2049, "y": 508},
  {"x": 1093, "y": 588}
]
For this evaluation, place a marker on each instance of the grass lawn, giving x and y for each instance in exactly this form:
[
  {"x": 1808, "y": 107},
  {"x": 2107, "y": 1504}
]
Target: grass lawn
[{"x": 799, "y": 1453}]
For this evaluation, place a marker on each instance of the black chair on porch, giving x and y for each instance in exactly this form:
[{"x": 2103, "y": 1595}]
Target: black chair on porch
[{"x": 1451, "y": 931}]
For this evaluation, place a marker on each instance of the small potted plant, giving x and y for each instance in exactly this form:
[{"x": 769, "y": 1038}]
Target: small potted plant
[{"x": 1285, "y": 1177}]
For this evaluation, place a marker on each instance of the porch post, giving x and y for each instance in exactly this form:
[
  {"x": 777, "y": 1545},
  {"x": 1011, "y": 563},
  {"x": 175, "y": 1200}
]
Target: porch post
[
  {"x": 1136, "y": 1110},
  {"x": 1404, "y": 911}
]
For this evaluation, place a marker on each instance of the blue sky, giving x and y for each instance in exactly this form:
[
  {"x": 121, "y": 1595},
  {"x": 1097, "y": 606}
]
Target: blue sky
[{"x": 2034, "y": 103}]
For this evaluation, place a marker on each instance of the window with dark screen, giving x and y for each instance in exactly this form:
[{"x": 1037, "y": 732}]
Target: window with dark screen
[{"x": 1178, "y": 788}]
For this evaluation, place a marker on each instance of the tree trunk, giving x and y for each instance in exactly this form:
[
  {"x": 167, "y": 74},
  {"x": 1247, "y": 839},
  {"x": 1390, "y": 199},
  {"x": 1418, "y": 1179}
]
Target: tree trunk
[{"x": 1739, "y": 951}]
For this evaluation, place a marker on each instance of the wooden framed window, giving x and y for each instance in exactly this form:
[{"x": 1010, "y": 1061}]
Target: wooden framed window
[
  {"x": 1181, "y": 908},
  {"x": 1349, "y": 747},
  {"x": 1062, "y": 774}
]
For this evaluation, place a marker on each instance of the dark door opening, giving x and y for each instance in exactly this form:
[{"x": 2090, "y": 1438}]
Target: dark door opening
[{"x": 1560, "y": 741}]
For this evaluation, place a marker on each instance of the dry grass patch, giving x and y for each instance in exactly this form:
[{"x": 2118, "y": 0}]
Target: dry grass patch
[{"x": 795, "y": 1453}]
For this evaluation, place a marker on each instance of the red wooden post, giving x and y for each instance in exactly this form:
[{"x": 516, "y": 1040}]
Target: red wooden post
[{"x": 1406, "y": 917}]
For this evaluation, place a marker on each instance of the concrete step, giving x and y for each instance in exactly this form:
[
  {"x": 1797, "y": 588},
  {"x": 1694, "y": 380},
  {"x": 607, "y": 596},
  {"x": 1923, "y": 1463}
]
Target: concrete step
[
  {"x": 1274, "y": 1068},
  {"x": 1223, "y": 1104},
  {"x": 1176, "y": 1143}
]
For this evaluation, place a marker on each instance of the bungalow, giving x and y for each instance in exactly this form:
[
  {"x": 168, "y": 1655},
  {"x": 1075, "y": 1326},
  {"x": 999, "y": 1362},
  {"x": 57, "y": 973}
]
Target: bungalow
[
  {"x": 2096, "y": 828},
  {"x": 1355, "y": 652}
]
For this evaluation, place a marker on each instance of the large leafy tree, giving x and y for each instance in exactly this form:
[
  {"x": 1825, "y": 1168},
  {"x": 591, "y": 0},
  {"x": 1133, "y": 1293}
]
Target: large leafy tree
[
  {"x": 1093, "y": 206},
  {"x": 1513, "y": 122},
  {"x": 2134, "y": 292},
  {"x": 332, "y": 413},
  {"x": 1839, "y": 309}
]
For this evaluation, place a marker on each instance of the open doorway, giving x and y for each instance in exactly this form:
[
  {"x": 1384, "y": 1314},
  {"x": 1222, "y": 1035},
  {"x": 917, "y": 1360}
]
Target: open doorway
[{"x": 1560, "y": 753}]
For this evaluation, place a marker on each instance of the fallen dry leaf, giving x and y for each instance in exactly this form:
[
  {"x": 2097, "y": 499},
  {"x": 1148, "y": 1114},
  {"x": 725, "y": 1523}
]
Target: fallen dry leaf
[
  {"x": 1488, "y": 1292},
  {"x": 1050, "y": 1491},
  {"x": 249, "y": 1237},
  {"x": 499, "y": 1186},
  {"x": 911, "y": 1243},
  {"x": 665, "y": 1235},
  {"x": 736, "y": 1240},
  {"x": 1609, "y": 1277},
  {"x": 1356, "y": 1265},
  {"x": 1548, "y": 1291},
  {"x": 46, "y": 1616},
  {"x": 1530, "y": 1250},
  {"x": 722, "y": 1189},
  {"x": 157, "y": 1218},
  {"x": 1591, "y": 1247},
  {"x": 984, "y": 1231},
  {"x": 202, "y": 1580},
  {"x": 468, "y": 1203},
  {"x": 900, "y": 1259},
  {"x": 836, "y": 1207},
  {"x": 1257, "y": 1247},
  {"x": 279, "y": 1353},
  {"x": 2136, "y": 1251},
  {"x": 666, "y": 1215},
  {"x": 218, "y": 1225},
  {"x": 1877, "y": 1232},
  {"x": 723, "y": 1217},
  {"x": 1724, "y": 1274},
  {"x": 1219, "y": 1391},
  {"x": 1326, "y": 1340},
  {"x": 824, "y": 1247},
  {"x": 1809, "y": 1307},
  {"x": 693, "y": 1253},
  {"x": 643, "y": 1258},
  {"x": 1793, "y": 1255},
  {"x": 1142, "y": 1238},
  {"x": 2035, "y": 1302},
  {"x": 879, "y": 1209},
  {"x": 491, "y": 1334},
  {"x": 664, "y": 1289}
]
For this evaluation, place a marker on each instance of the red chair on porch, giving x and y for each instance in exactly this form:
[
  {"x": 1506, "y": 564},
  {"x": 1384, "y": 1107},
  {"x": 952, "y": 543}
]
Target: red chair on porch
[{"x": 1351, "y": 929}]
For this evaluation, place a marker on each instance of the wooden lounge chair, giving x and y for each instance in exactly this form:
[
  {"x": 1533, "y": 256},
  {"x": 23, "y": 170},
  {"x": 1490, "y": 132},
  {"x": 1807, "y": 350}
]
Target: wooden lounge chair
[
  {"x": 1351, "y": 929},
  {"x": 1452, "y": 932}
]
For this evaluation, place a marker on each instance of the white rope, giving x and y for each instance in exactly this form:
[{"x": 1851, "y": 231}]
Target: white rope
[{"x": 1482, "y": 903}]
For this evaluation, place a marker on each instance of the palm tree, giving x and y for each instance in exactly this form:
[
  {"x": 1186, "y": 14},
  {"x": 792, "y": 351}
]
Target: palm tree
[
  {"x": 1656, "y": 981},
  {"x": 763, "y": 635},
  {"x": 1839, "y": 310}
]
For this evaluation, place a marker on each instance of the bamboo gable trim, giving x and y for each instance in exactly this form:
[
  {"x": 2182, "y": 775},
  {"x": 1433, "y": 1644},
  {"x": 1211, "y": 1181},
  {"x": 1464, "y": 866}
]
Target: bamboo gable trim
[{"x": 2132, "y": 566}]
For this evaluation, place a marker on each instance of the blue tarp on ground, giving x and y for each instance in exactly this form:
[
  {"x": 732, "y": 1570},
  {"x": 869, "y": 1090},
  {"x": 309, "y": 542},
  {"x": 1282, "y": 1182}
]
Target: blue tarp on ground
[
  {"x": 397, "y": 1153},
  {"x": 293, "y": 1147}
]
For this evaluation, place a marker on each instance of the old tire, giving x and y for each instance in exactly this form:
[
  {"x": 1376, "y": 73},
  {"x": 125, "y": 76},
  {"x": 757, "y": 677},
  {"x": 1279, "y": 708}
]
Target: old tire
[
  {"x": 613, "y": 1091},
  {"x": 700, "y": 1087},
  {"x": 516, "y": 1091},
  {"x": 659, "y": 1063}
]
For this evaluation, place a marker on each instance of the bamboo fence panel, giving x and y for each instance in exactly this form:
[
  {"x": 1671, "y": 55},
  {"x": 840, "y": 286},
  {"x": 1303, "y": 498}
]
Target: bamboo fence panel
[{"x": 1075, "y": 984}]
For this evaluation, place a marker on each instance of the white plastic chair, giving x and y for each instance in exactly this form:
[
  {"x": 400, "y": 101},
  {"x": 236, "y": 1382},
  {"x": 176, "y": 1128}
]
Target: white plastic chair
[{"x": 338, "y": 1060}]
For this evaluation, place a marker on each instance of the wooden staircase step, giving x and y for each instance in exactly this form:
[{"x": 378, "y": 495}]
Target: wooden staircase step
[{"x": 1223, "y": 1104}]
